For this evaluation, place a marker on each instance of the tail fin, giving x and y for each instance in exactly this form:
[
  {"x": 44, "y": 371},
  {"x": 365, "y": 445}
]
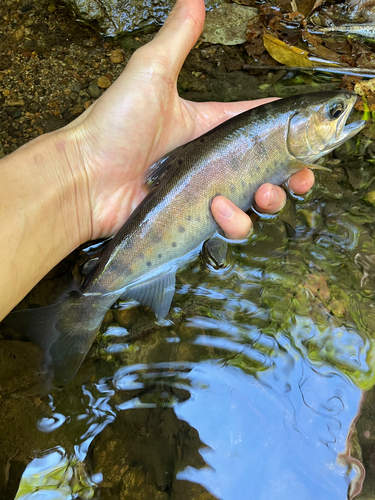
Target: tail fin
[{"x": 60, "y": 332}]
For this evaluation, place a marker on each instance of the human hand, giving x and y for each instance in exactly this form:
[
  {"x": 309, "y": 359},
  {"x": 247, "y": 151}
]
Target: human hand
[{"x": 139, "y": 119}]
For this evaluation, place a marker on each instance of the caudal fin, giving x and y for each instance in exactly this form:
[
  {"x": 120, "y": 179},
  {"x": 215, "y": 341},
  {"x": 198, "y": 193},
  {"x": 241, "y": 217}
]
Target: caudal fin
[{"x": 53, "y": 328}]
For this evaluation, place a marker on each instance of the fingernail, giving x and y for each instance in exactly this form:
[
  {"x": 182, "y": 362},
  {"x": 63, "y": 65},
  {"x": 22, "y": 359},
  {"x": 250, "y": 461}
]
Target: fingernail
[{"x": 226, "y": 208}]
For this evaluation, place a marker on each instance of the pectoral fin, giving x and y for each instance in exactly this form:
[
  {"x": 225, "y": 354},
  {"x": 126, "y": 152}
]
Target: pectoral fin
[
  {"x": 297, "y": 165},
  {"x": 156, "y": 293},
  {"x": 89, "y": 266},
  {"x": 215, "y": 250},
  {"x": 160, "y": 170}
]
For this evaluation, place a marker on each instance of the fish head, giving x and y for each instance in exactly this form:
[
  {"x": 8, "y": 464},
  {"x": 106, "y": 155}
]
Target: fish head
[{"x": 319, "y": 124}]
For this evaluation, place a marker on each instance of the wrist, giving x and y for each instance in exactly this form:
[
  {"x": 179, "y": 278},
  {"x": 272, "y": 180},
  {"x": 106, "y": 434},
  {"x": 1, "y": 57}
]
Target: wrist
[{"x": 43, "y": 212}]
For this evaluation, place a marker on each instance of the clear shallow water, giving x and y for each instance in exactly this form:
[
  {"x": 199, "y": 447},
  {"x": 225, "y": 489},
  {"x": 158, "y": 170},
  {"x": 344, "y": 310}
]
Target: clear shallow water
[{"x": 249, "y": 388}]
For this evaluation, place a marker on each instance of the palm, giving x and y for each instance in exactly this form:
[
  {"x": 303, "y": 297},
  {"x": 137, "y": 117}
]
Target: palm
[{"x": 122, "y": 149}]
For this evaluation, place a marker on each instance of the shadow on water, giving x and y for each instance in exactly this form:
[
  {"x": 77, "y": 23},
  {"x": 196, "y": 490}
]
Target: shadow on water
[{"x": 250, "y": 389}]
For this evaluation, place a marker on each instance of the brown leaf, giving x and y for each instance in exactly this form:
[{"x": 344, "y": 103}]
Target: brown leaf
[
  {"x": 325, "y": 53},
  {"x": 317, "y": 4},
  {"x": 305, "y": 6},
  {"x": 318, "y": 287}
]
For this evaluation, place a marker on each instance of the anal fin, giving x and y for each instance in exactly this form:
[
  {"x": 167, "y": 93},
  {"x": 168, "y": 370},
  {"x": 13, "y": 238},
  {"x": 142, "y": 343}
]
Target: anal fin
[{"x": 156, "y": 293}]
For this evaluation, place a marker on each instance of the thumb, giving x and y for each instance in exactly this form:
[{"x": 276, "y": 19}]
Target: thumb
[{"x": 179, "y": 34}]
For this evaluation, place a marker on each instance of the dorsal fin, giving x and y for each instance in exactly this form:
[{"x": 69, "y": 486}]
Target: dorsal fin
[{"x": 156, "y": 293}]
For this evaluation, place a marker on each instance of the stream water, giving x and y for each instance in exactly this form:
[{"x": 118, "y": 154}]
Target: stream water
[{"x": 252, "y": 387}]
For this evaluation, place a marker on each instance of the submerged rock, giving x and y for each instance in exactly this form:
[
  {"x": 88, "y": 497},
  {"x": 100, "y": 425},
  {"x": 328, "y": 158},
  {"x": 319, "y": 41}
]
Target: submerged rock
[
  {"x": 225, "y": 23},
  {"x": 114, "y": 17}
]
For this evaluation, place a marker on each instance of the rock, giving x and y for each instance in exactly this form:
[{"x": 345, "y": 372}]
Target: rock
[
  {"x": 26, "y": 8},
  {"x": 103, "y": 82},
  {"x": 19, "y": 34},
  {"x": 113, "y": 17},
  {"x": 75, "y": 87},
  {"x": 54, "y": 123},
  {"x": 227, "y": 23},
  {"x": 10, "y": 110},
  {"x": 77, "y": 109},
  {"x": 30, "y": 45},
  {"x": 73, "y": 96},
  {"x": 94, "y": 91},
  {"x": 116, "y": 56},
  {"x": 17, "y": 103}
]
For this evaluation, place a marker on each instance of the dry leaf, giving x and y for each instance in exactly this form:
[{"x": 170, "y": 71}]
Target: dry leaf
[
  {"x": 317, "y": 4},
  {"x": 305, "y": 6},
  {"x": 291, "y": 56},
  {"x": 286, "y": 54}
]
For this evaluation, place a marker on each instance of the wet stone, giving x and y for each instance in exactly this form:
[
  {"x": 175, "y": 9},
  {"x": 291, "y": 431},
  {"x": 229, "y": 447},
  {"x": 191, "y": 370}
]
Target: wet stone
[
  {"x": 30, "y": 45},
  {"x": 94, "y": 91},
  {"x": 54, "y": 123},
  {"x": 26, "y": 8},
  {"x": 75, "y": 87},
  {"x": 103, "y": 82},
  {"x": 116, "y": 56},
  {"x": 19, "y": 34}
]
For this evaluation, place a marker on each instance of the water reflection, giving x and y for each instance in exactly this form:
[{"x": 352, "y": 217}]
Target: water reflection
[{"x": 250, "y": 389}]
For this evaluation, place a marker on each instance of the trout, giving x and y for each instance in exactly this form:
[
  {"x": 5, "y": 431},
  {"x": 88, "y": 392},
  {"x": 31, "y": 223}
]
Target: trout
[{"x": 168, "y": 228}]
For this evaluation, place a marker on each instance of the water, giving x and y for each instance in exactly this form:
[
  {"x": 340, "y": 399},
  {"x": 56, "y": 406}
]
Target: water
[{"x": 251, "y": 387}]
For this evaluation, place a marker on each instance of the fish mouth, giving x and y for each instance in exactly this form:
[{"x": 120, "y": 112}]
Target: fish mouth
[{"x": 346, "y": 131}]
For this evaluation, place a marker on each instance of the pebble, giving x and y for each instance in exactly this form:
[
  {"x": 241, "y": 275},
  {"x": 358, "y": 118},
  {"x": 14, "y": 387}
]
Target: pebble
[
  {"x": 75, "y": 87},
  {"x": 26, "y": 8},
  {"x": 19, "y": 34},
  {"x": 18, "y": 103},
  {"x": 30, "y": 45},
  {"x": 77, "y": 110},
  {"x": 94, "y": 91},
  {"x": 116, "y": 56},
  {"x": 103, "y": 82},
  {"x": 73, "y": 96}
]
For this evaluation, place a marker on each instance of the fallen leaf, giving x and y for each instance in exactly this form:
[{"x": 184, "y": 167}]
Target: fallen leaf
[
  {"x": 317, "y": 4},
  {"x": 306, "y": 6},
  {"x": 292, "y": 56},
  {"x": 286, "y": 54},
  {"x": 325, "y": 53},
  {"x": 318, "y": 287}
]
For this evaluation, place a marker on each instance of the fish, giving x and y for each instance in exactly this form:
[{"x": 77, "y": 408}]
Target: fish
[{"x": 169, "y": 227}]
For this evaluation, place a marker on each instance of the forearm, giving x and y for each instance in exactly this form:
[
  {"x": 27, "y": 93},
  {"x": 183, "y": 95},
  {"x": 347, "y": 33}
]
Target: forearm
[{"x": 40, "y": 192}]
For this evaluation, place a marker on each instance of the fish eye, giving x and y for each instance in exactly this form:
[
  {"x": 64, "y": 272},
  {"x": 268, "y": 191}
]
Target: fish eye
[{"x": 336, "y": 109}]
